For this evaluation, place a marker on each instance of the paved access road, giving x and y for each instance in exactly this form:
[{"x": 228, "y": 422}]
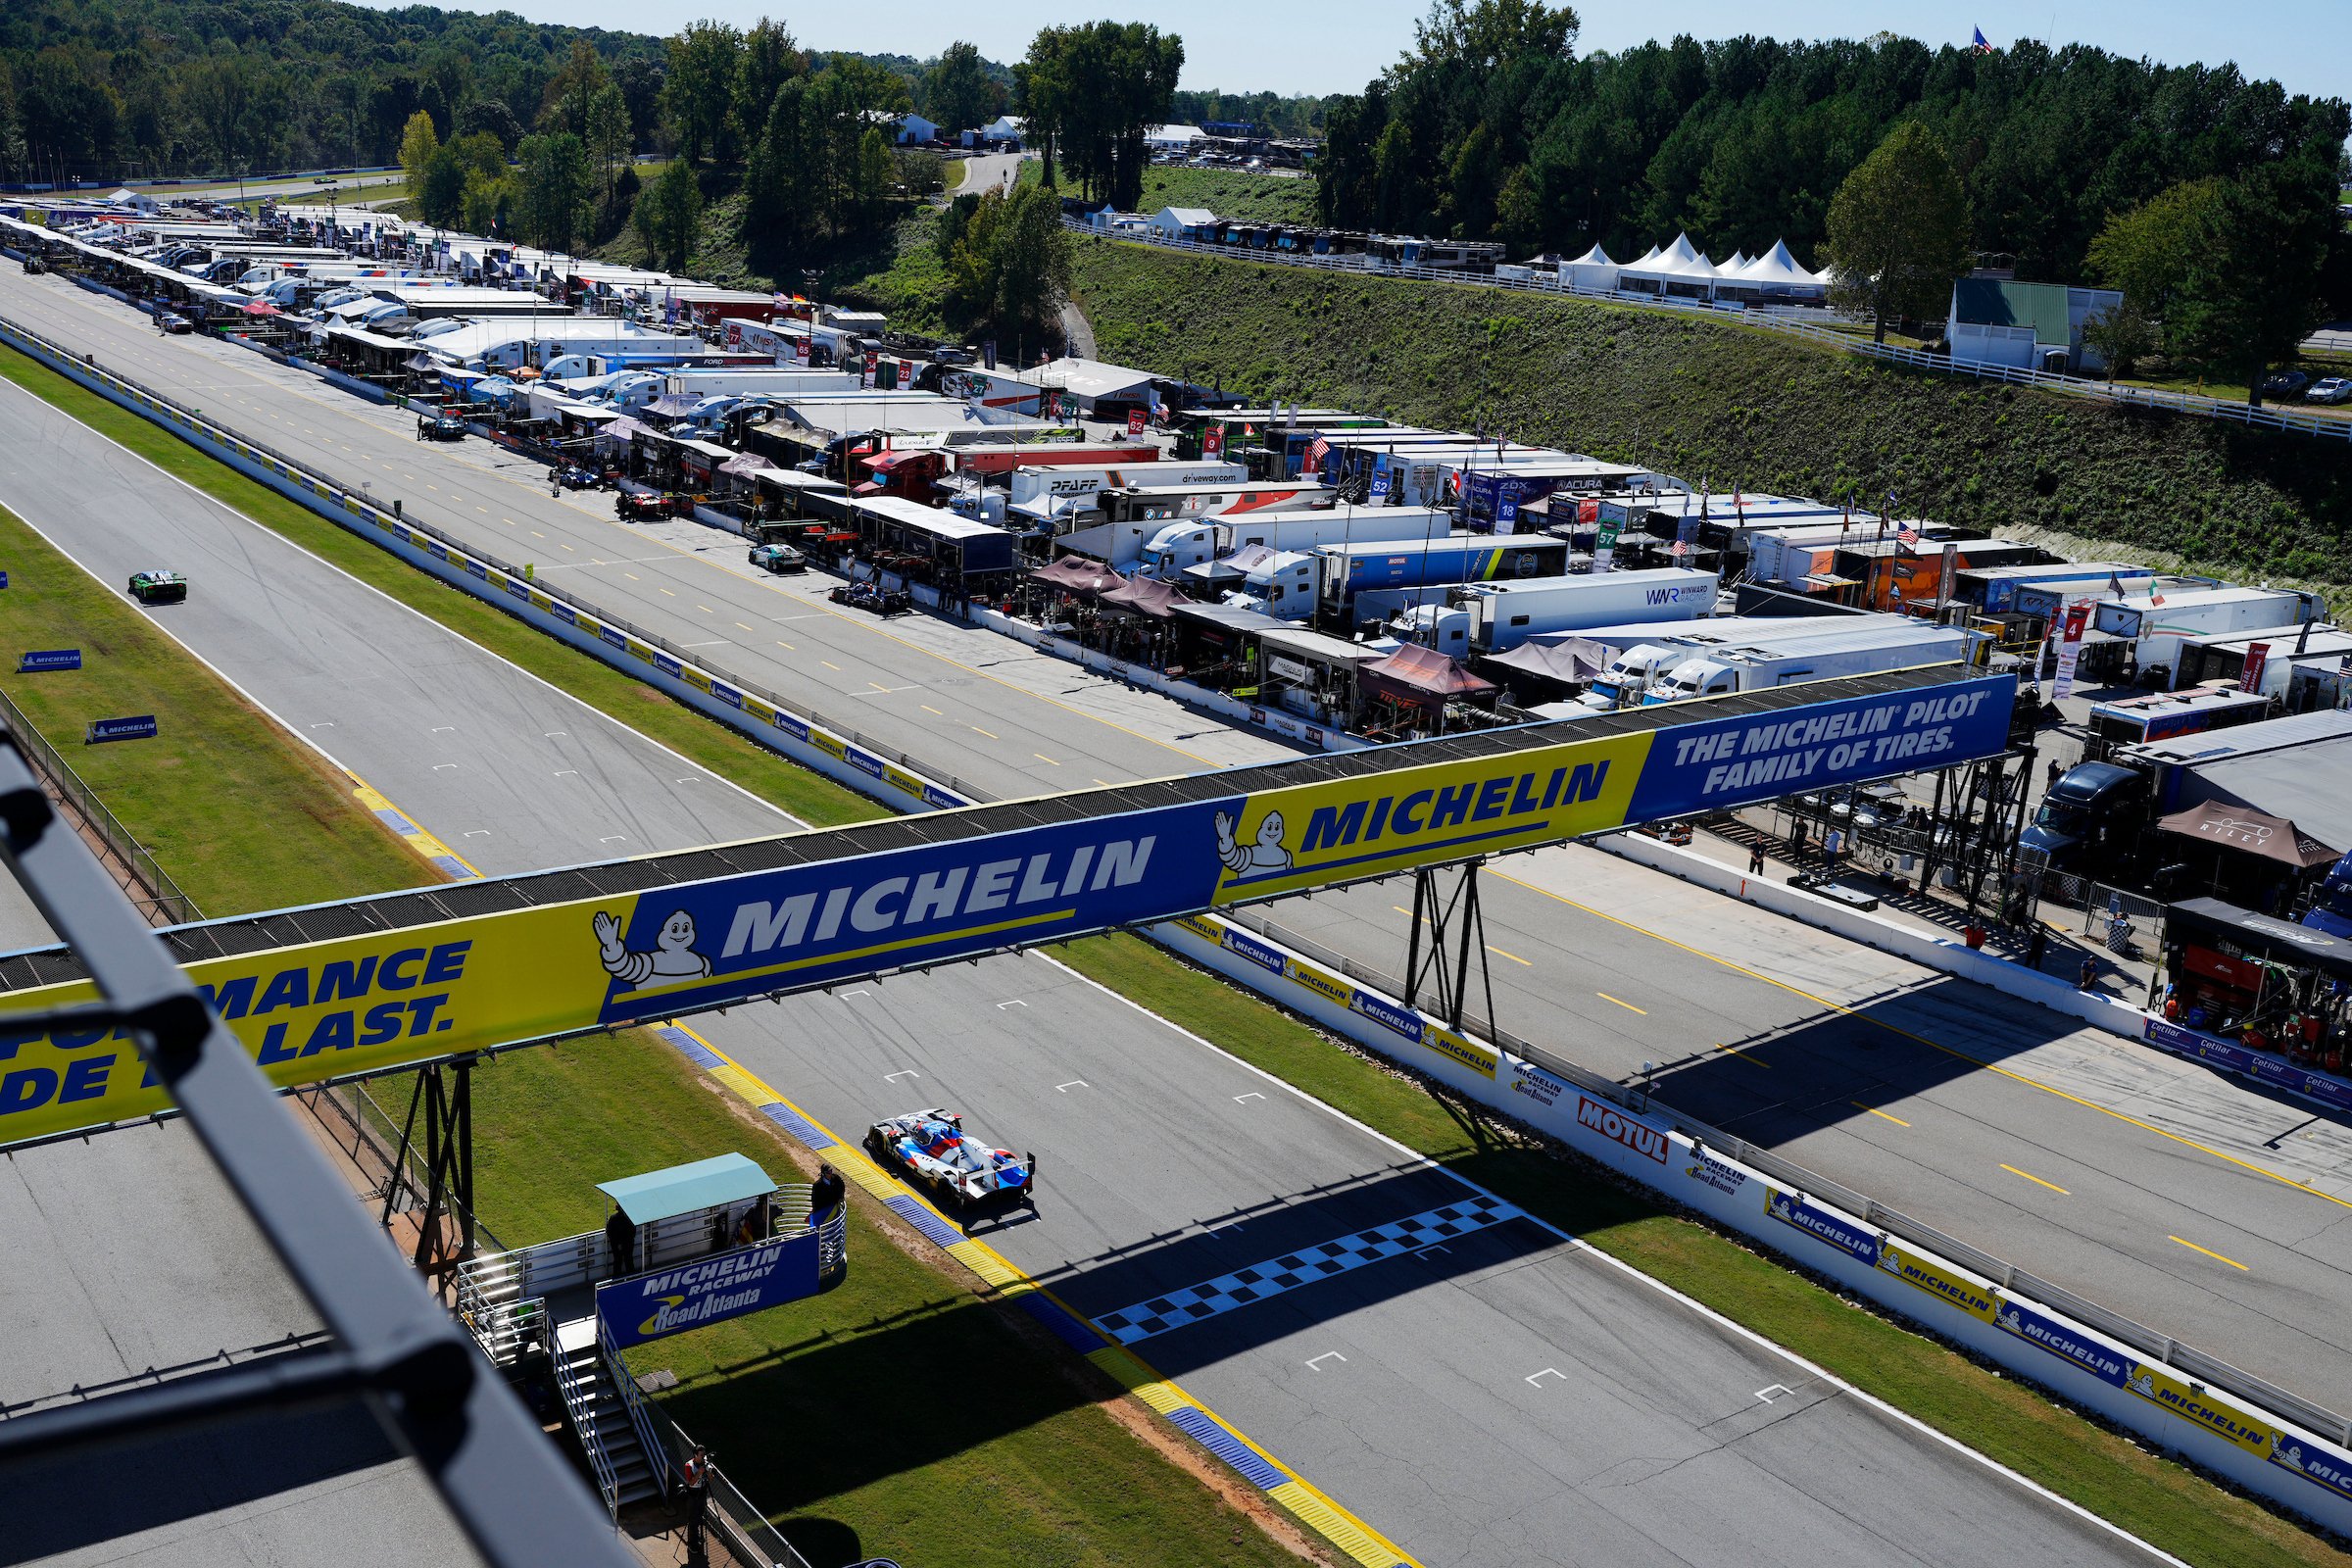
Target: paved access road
[
  {"x": 979, "y": 698},
  {"x": 512, "y": 773},
  {"x": 1647, "y": 1426},
  {"x": 2185, "y": 1164},
  {"x": 1481, "y": 1389}
]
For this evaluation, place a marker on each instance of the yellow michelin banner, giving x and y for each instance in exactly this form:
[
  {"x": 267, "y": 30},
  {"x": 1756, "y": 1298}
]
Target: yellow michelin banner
[{"x": 370, "y": 1002}]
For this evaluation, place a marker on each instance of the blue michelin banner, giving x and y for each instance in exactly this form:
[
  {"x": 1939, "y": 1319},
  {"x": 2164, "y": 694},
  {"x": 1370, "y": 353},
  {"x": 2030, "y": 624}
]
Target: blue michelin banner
[
  {"x": 137, "y": 728},
  {"x": 1799, "y": 1212},
  {"x": 1701, "y": 768},
  {"x": 2093, "y": 1355},
  {"x": 708, "y": 1290},
  {"x": 49, "y": 659}
]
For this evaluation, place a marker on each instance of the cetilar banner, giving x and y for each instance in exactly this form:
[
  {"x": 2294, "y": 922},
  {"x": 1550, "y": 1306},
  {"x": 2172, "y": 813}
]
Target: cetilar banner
[{"x": 391, "y": 998}]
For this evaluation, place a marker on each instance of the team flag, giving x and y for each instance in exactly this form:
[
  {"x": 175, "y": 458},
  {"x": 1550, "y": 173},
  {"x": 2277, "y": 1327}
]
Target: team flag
[{"x": 2114, "y": 587}]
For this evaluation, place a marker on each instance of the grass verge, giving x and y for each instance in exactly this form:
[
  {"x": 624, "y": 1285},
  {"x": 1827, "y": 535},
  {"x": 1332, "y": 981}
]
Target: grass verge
[
  {"x": 817, "y": 1409},
  {"x": 806, "y": 795},
  {"x": 184, "y": 794},
  {"x": 2161, "y": 1501},
  {"x": 555, "y": 1121}
]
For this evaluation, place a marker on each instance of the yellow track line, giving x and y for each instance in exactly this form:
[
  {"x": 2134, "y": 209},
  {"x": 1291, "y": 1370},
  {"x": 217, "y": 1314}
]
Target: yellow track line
[
  {"x": 1949, "y": 1050},
  {"x": 2035, "y": 1180},
  {"x": 2216, "y": 1257},
  {"x": 1298, "y": 1497}
]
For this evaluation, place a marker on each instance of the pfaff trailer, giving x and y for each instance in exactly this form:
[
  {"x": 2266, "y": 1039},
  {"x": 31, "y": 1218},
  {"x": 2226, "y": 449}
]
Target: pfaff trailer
[{"x": 1067, "y": 492}]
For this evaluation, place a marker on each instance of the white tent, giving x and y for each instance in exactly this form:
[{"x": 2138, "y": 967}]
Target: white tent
[
  {"x": 1593, "y": 269},
  {"x": 1777, "y": 273},
  {"x": 1678, "y": 267}
]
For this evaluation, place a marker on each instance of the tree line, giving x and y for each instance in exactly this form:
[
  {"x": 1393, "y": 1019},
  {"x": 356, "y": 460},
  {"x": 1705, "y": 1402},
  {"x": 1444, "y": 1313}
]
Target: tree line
[{"x": 1492, "y": 126}]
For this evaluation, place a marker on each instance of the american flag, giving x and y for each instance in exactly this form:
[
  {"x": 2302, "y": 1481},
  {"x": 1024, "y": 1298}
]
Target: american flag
[
  {"x": 1980, "y": 46},
  {"x": 1906, "y": 535},
  {"x": 1316, "y": 451}
]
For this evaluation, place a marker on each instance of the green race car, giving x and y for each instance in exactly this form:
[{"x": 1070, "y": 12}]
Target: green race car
[{"x": 159, "y": 587}]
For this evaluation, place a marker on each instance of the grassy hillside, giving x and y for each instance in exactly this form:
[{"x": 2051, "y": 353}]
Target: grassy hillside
[
  {"x": 1230, "y": 193},
  {"x": 1736, "y": 407}
]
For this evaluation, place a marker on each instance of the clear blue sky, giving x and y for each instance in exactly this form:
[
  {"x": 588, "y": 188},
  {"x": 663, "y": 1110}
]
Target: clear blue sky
[{"x": 1324, "y": 46}]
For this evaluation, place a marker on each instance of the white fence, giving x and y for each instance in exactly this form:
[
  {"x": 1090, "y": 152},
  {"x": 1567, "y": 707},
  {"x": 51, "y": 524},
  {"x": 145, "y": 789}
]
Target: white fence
[{"x": 1796, "y": 322}]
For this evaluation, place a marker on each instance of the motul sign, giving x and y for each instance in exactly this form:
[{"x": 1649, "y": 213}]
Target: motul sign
[{"x": 1608, "y": 1121}]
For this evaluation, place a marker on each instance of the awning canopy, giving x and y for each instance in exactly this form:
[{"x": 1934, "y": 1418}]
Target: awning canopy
[
  {"x": 2235, "y": 828},
  {"x": 1420, "y": 677},
  {"x": 744, "y": 464},
  {"x": 1554, "y": 661},
  {"x": 2262, "y": 936},
  {"x": 1075, "y": 574},
  {"x": 686, "y": 1189},
  {"x": 1146, "y": 596}
]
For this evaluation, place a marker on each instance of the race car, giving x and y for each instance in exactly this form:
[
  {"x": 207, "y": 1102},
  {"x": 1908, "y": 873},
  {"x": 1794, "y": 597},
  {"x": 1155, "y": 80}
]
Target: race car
[
  {"x": 572, "y": 476},
  {"x": 158, "y": 587},
  {"x": 641, "y": 506},
  {"x": 432, "y": 426},
  {"x": 778, "y": 558},
  {"x": 172, "y": 324},
  {"x": 958, "y": 1173}
]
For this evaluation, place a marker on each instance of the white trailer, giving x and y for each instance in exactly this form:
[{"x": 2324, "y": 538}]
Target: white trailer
[
  {"x": 1178, "y": 546},
  {"x": 1636, "y": 653},
  {"x": 2156, "y": 630},
  {"x": 745, "y": 383},
  {"x": 1861, "y": 651},
  {"x": 1053, "y": 493},
  {"x": 1504, "y": 615}
]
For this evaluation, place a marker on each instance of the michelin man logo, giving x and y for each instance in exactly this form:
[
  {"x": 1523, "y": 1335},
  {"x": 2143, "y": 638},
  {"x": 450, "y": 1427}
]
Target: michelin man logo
[
  {"x": 672, "y": 958},
  {"x": 2141, "y": 1383},
  {"x": 1263, "y": 857}
]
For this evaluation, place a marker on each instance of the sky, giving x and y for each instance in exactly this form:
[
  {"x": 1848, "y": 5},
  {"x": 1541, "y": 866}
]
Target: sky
[{"x": 1327, "y": 46}]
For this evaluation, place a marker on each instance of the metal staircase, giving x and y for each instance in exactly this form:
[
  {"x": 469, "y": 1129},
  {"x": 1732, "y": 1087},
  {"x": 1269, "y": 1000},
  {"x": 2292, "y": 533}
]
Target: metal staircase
[{"x": 602, "y": 1418}]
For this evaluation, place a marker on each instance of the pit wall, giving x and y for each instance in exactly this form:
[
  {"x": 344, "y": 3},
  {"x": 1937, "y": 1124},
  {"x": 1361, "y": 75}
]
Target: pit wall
[
  {"x": 813, "y": 745},
  {"x": 2265, "y": 1452}
]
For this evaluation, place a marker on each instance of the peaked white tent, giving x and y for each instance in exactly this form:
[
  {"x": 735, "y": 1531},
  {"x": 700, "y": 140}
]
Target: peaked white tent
[
  {"x": 1678, "y": 268},
  {"x": 1593, "y": 269},
  {"x": 1776, "y": 274}
]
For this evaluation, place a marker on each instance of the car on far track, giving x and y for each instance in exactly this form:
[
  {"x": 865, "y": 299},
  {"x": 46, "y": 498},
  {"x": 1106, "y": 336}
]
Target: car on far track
[
  {"x": 2335, "y": 389},
  {"x": 158, "y": 587},
  {"x": 172, "y": 324},
  {"x": 779, "y": 558},
  {"x": 959, "y": 1174}
]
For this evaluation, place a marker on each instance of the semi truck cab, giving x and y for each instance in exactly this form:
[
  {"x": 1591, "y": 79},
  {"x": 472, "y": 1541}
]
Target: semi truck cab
[{"x": 2091, "y": 820}]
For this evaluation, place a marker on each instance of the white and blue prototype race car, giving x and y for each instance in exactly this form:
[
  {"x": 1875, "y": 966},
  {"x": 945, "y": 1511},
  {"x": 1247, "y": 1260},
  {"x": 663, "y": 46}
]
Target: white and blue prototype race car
[{"x": 931, "y": 1150}]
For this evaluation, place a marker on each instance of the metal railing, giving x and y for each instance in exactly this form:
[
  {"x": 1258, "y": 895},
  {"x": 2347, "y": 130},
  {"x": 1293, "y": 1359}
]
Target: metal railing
[
  {"x": 633, "y": 1402},
  {"x": 578, "y": 1388},
  {"x": 156, "y": 893},
  {"x": 1796, "y": 322},
  {"x": 336, "y": 489},
  {"x": 2160, "y": 1347},
  {"x": 745, "y": 1531}
]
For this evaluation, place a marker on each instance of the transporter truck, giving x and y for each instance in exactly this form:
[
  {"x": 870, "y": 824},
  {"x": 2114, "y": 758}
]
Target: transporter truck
[
  {"x": 1504, "y": 615},
  {"x": 1349, "y": 569},
  {"x": 1178, "y": 545},
  {"x": 1862, "y": 651}
]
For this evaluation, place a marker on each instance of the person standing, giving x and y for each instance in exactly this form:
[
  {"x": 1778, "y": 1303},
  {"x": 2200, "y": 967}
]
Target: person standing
[
  {"x": 1755, "y": 858},
  {"x": 621, "y": 1243},
  {"x": 825, "y": 1195},
  {"x": 695, "y": 1485},
  {"x": 2037, "y": 943}
]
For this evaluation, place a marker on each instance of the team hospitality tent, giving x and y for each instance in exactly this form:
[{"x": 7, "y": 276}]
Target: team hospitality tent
[
  {"x": 1775, "y": 274},
  {"x": 1678, "y": 268},
  {"x": 1593, "y": 270},
  {"x": 1078, "y": 576}
]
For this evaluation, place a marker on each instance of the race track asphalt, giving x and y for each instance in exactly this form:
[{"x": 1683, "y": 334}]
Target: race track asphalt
[
  {"x": 1661, "y": 1428},
  {"x": 2219, "y": 1208}
]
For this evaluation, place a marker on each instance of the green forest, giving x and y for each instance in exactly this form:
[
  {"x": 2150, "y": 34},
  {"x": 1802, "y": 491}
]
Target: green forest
[{"x": 1491, "y": 126}]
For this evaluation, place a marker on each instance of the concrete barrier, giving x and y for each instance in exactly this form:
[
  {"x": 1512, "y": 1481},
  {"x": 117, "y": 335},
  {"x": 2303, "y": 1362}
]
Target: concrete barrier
[
  {"x": 2160, "y": 1389},
  {"x": 823, "y": 750}
]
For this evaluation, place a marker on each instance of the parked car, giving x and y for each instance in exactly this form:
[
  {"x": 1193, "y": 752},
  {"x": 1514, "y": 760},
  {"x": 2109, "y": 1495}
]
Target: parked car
[
  {"x": 440, "y": 427},
  {"x": 779, "y": 558},
  {"x": 2285, "y": 385},
  {"x": 642, "y": 505},
  {"x": 158, "y": 587},
  {"x": 572, "y": 476},
  {"x": 172, "y": 324},
  {"x": 2334, "y": 389}
]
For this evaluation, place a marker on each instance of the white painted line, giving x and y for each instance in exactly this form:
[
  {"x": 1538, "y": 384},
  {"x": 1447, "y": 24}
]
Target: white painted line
[
  {"x": 477, "y": 833},
  {"x": 1252, "y": 1095},
  {"x": 1075, "y": 1083},
  {"x": 567, "y": 772},
  {"x": 894, "y": 1077},
  {"x": 1536, "y": 1380},
  {"x": 325, "y": 724},
  {"x": 1014, "y": 1003},
  {"x": 1773, "y": 1391},
  {"x": 443, "y": 729},
  {"x": 439, "y": 767},
  {"x": 1314, "y": 1363},
  {"x": 553, "y": 734},
  {"x": 613, "y": 838},
  {"x": 1434, "y": 1247},
  {"x": 1416, "y": 1158}
]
